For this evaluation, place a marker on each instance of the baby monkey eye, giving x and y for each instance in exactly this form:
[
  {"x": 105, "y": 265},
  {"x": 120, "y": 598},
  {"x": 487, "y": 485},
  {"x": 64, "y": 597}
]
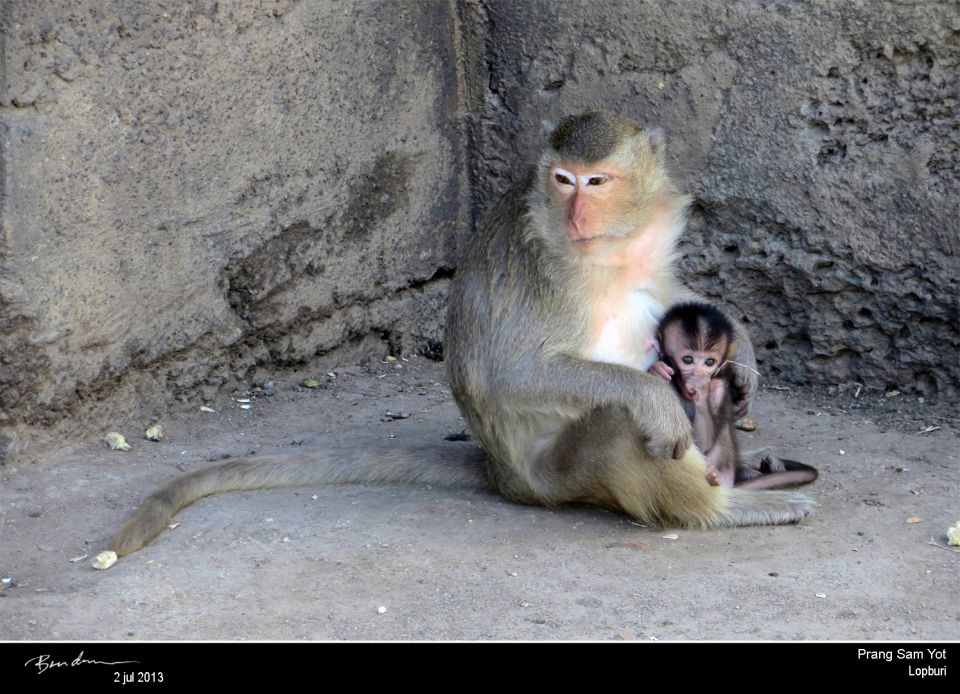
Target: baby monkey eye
[
  {"x": 687, "y": 359},
  {"x": 710, "y": 361}
]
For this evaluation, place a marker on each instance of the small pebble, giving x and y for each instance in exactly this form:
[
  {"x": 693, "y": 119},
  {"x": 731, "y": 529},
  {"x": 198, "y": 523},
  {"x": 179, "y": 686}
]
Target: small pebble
[
  {"x": 116, "y": 441},
  {"x": 104, "y": 560},
  {"x": 953, "y": 534}
]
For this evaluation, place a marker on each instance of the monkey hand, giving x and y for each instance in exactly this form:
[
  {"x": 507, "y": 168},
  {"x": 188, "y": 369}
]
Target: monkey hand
[
  {"x": 696, "y": 389},
  {"x": 661, "y": 369},
  {"x": 717, "y": 393},
  {"x": 663, "y": 424}
]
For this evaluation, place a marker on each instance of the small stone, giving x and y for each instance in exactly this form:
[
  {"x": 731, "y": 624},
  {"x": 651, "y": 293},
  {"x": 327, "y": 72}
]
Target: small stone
[
  {"x": 953, "y": 534},
  {"x": 117, "y": 442},
  {"x": 104, "y": 560}
]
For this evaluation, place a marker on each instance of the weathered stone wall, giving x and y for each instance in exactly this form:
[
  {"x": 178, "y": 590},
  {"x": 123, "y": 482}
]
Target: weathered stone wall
[
  {"x": 820, "y": 140},
  {"x": 193, "y": 193},
  {"x": 192, "y": 188}
]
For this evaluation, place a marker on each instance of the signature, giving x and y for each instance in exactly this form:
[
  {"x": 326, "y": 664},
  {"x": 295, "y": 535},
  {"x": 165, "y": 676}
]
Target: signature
[{"x": 43, "y": 662}]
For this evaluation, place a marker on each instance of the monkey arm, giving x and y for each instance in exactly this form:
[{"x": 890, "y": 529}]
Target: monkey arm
[
  {"x": 567, "y": 382},
  {"x": 745, "y": 380},
  {"x": 704, "y": 433}
]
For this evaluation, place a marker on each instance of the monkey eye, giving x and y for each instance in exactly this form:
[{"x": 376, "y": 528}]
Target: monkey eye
[
  {"x": 710, "y": 361},
  {"x": 597, "y": 180},
  {"x": 687, "y": 359},
  {"x": 562, "y": 179}
]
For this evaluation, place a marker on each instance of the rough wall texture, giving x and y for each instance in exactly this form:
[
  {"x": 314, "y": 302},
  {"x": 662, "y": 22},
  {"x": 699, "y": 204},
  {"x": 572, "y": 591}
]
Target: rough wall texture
[
  {"x": 820, "y": 140},
  {"x": 194, "y": 192},
  {"x": 190, "y": 189}
]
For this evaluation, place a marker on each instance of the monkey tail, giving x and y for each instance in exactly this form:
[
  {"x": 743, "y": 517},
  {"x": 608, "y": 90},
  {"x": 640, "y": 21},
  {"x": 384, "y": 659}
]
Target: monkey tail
[
  {"x": 796, "y": 474},
  {"x": 451, "y": 465}
]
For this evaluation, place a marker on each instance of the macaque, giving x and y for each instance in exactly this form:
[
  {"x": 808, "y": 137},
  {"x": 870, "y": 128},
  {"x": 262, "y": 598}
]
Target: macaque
[
  {"x": 696, "y": 343},
  {"x": 549, "y": 337},
  {"x": 694, "y": 340}
]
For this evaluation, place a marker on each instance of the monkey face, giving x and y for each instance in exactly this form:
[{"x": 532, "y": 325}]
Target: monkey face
[
  {"x": 693, "y": 364},
  {"x": 590, "y": 196}
]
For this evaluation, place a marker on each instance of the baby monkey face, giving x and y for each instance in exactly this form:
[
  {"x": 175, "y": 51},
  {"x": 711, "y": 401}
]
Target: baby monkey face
[{"x": 693, "y": 361}]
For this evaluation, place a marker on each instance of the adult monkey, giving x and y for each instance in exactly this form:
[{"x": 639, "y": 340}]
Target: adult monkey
[
  {"x": 550, "y": 333},
  {"x": 549, "y": 336}
]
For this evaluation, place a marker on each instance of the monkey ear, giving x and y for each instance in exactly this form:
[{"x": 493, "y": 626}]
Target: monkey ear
[{"x": 656, "y": 141}]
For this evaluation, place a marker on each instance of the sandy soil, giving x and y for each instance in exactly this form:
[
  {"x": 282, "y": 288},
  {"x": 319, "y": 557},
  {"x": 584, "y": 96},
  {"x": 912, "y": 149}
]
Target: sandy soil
[{"x": 365, "y": 562}]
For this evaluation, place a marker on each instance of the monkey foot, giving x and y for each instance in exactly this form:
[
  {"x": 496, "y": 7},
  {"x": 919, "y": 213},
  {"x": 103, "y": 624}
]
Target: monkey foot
[{"x": 713, "y": 476}]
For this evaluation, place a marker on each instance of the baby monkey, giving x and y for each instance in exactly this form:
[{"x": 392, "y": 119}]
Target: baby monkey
[{"x": 696, "y": 342}]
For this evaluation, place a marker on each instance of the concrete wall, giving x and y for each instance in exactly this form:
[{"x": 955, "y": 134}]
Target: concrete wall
[
  {"x": 196, "y": 193},
  {"x": 190, "y": 189},
  {"x": 820, "y": 140}
]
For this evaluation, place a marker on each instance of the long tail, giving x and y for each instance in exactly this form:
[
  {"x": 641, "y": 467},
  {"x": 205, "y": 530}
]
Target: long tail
[
  {"x": 450, "y": 465},
  {"x": 795, "y": 474}
]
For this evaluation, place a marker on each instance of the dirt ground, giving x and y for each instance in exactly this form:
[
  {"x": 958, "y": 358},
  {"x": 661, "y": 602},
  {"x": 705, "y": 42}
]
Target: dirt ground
[{"x": 414, "y": 562}]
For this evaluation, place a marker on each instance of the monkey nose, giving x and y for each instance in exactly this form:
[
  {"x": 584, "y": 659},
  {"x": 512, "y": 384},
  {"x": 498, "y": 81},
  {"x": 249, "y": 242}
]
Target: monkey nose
[{"x": 577, "y": 206}]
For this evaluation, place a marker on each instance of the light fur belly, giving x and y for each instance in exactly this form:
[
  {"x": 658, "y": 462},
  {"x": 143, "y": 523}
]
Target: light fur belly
[{"x": 626, "y": 330}]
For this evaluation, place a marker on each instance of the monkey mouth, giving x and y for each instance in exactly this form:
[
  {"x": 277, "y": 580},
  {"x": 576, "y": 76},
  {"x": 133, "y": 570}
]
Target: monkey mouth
[
  {"x": 584, "y": 240},
  {"x": 580, "y": 236}
]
